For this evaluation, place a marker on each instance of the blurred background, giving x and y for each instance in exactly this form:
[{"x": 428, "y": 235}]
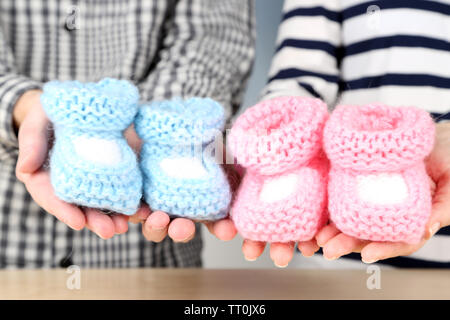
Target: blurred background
[{"x": 218, "y": 254}]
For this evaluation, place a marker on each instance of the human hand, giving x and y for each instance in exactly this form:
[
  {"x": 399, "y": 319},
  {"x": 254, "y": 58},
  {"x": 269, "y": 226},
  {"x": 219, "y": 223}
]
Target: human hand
[
  {"x": 33, "y": 124},
  {"x": 336, "y": 244},
  {"x": 157, "y": 225},
  {"x": 280, "y": 253}
]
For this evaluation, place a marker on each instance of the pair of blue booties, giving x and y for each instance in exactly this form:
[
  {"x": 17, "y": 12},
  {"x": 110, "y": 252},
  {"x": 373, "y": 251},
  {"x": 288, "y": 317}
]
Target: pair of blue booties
[{"x": 92, "y": 165}]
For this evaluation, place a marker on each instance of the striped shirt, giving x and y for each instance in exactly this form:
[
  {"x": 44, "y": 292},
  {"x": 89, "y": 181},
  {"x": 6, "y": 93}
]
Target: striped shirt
[
  {"x": 170, "y": 48},
  {"x": 357, "y": 51}
]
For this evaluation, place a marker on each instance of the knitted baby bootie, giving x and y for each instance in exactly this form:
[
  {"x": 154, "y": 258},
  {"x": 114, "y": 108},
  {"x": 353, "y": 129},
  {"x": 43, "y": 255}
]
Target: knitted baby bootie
[
  {"x": 91, "y": 163},
  {"x": 180, "y": 176},
  {"x": 282, "y": 196},
  {"x": 378, "y": 186}
]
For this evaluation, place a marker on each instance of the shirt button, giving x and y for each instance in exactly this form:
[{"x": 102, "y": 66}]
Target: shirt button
[
  {"x": 72, "y": 19},
  {"x": 66, "y": 262}
]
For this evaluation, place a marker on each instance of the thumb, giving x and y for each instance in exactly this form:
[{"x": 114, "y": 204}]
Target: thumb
[
  {"x": 141, "y": 215},
  {"x": 33, "y": 142}
]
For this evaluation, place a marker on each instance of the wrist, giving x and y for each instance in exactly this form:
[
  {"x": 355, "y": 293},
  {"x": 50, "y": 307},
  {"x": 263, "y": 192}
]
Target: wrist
[{"x": 24, "y": 104}]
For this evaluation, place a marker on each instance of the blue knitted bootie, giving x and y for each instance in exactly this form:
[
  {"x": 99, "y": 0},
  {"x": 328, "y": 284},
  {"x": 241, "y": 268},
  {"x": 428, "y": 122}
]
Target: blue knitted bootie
[
  {"x": 180, "y": 176},
  {"x": 91, "y": 163}
]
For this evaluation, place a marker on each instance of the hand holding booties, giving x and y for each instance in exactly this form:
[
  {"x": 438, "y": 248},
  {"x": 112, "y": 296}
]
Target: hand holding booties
[
  {"x": 282, "y": 197},
  {"x": 378, "y": 186}
]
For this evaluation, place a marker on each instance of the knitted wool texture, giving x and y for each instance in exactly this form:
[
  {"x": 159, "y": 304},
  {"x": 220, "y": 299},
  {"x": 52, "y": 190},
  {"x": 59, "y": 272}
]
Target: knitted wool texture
[
  {"x": 183, "y": 131},
  {"x": 89, "y": 112},
  {"x": 280, "y": 139},
  {"x": 379, "y": 141}
]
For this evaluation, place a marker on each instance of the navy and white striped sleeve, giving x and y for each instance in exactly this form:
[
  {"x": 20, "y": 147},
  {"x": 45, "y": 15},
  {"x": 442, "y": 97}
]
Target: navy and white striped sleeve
[
  {"x": 208, "y": 51},
  {"x": 12, "y": 86},
  {"x": 306, "y": 61}
]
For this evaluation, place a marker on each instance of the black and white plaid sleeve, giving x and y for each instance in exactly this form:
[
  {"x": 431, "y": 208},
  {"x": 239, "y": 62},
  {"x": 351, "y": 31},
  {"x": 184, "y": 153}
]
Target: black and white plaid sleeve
[
  {"x": 207, "y": 51},
  {"x": 12, "y": 86}
]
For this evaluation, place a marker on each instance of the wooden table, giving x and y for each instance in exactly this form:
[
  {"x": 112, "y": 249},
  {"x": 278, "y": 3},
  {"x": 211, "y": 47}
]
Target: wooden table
[{"x": 223, "y": 284}]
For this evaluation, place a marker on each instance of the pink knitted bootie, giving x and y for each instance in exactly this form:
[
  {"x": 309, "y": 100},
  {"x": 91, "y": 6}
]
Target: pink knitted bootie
[
  {"x": 378, "y": 188},
  {"x": 282, "y": 196}
]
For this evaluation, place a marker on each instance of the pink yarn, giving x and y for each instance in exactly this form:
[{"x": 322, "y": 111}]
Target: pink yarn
[
  {"x": 272, "y": 139},
  {"x": 371, "y": 140}
]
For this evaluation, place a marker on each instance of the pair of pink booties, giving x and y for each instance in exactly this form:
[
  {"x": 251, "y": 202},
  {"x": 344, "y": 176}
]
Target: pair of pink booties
[{"x": 371, "y": 179}]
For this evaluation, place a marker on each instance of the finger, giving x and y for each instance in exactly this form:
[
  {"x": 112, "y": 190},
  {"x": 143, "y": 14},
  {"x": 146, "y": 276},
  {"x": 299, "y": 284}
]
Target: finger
[
  {"x": 158, "y": 220},
  {"x": 181, "y": 230},
  {"x": 342, "y": 244},
  {"x": 156, "y": 226},
  {"x": 326, "y": 233},
  {"x": 308, "y": 248},
  {"x": 141, "y": 215},
  {"x": 440, "y": 213},
  {"x": 133, "y": 139},
  {"x": 100, "y": 223},
  {"x": 282, "y": 253},
  {"x": 432, "y": 186},
  {"x": 33, "y": 142},
  {"x": 120, "y": 223},
  {"x": 252, "y": 249},
  {"x": 383, "y": 250},
  {"x": 223, "y": 229},
  {"x": 210, "y": 226},
  {"x": 154, "y": 235},
  {"x": 39, "y": 186}
]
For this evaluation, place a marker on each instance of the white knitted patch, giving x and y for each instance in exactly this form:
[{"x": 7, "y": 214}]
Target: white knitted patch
[
  {"x": 99, "y": 151},
  {"x": 183, "y": 168},
  {"x": 382, "y": 189},
  {"x": 279, "y": 188}
]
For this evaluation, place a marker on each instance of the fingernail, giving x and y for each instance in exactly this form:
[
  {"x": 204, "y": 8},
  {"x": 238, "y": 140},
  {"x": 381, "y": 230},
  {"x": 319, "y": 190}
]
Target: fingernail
[
  {"x": 369, "y": 261},
  {"x": 330, "y": 259},
  {"x": 280, "y": 266},
  {"x": 249, "y": 259},
  {"x": 434, "y": 228}
]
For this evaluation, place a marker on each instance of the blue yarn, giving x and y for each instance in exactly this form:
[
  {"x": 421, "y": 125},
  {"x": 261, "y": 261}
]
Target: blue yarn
[
  {"x": 108, "y": 105},
  {"x": 182, "y": 128},
  {"x": 93, "y": 110}
]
